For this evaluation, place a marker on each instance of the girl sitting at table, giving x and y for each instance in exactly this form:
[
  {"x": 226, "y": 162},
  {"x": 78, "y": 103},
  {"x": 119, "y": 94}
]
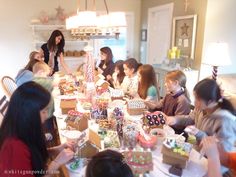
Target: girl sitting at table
[
  {"x": 130, "y": 82},
  {"x": 22, "y": 141},
  {"x": 147, "y": 85},
  {"x": 107, "y": 65},
  {"x": 176, "y": 101},
  {"x": 213, "y": 115},
  {"x": 26, "y": 74},
  {"x": 118, "y": 75},
  {"x": 41, "y": 76},
  {"x": 108, "y": 163}
]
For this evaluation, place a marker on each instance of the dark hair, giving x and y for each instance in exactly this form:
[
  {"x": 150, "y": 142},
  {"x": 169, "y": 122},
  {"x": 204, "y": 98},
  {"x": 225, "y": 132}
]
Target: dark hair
[
  {"x": 108, "y": 163},
  {"x": 132, "y": 63},
  {"x": 108, "y": 52},
  {"x": 120, "y": 67},
  {"x": 148, "y": 79},
  {"x": 209, "y": 90},
  {"x": 177, "y": 75},
  {"x": 32, "y": 61},
  {"x": 52, "y": 43},
  {"x": 23, "y": 121}
]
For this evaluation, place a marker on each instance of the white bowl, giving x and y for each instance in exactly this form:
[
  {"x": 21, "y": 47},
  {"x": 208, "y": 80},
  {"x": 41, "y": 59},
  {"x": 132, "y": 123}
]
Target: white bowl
[
  {"x": 71, "y": 135},
  {"x": 168, "y": 130}
]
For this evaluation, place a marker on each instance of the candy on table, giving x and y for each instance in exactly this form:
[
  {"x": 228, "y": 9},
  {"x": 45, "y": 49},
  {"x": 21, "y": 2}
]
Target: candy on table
[
  {"x": 77, "y": 120},
  {"x": 118, "y": 113},
  {"x": 99, "y": 113},
  {"x": 154, "y": 120},
  {"x": 132, "y": 104},
  {"x": 139, "y": 161},
  {"x": 150, "y": 143},
  {"x": 87, "y": 105},
  {"x": 67, "y": 88},
  {"x": 135, "y": 107},
  {"x": 104, "y": 123},
  {"x": 111, "y": 139},
  {"x": 102, "y": 102},
  {"x": 176, "y": 153},
  {"x": 130, "y": 135},
  {"x": 116, "y": 94}
]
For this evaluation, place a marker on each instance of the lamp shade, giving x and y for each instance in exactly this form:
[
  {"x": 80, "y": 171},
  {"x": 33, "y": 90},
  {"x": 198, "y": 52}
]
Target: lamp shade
[
  {"x": 217, "y": 54},
  {"x": 117, "y": 19}
]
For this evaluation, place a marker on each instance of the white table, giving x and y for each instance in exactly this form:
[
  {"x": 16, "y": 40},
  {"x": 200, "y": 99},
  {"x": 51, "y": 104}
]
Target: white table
[{"x": 196, "y": 167}]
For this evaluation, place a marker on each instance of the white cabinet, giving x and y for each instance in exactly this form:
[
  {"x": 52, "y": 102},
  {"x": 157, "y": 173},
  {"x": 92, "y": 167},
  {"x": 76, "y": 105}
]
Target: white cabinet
[
  {"x": 41, "y": 34},
  {"x": 191, "y": 75}
]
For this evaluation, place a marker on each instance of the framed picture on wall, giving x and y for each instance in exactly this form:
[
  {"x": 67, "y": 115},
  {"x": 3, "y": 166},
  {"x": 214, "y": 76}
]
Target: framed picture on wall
[
  {"x": 184, "y": 34},
  {"x": 143, "y": 35}
]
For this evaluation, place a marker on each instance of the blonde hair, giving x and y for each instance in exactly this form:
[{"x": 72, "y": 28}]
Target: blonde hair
[
  {"x": 177, "y": 75},
  {"x": 41, "y": 66}
]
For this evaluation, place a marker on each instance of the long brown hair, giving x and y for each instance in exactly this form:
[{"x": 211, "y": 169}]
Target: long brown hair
[
  {"x": 148, "y": 79},
  {"x": 177, "y": 75},
  {"x": 52, "y": 43},
  {"x": 108, "y": 52},
  {"x": 119, "y": 66}
]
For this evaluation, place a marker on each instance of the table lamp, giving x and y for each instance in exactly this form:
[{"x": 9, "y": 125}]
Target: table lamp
[{"x": 217, "y": 54}]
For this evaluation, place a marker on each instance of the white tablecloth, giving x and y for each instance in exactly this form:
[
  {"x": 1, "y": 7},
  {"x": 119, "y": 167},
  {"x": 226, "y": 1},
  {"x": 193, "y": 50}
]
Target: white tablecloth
[{"x": 196, "y": 167}]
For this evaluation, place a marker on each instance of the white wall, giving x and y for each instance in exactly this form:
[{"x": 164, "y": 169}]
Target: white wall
[
  {"x": 16, "y": 35},
  {"x": 220, "y": 26}
]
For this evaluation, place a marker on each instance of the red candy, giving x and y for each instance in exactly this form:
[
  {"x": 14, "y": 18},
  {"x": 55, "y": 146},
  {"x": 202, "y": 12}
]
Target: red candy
[{"x": 147, "y": 143}]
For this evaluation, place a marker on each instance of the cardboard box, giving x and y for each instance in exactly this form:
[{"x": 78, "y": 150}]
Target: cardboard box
[
  {"x": 67, "y": 105},
  {"x": 172, "y": 158}
]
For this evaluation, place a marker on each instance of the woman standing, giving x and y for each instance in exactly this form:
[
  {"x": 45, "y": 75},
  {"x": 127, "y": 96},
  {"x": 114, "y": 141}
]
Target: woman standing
[
  {"x": 107, "y": 65},
  {"x": 53, "y": 49}
]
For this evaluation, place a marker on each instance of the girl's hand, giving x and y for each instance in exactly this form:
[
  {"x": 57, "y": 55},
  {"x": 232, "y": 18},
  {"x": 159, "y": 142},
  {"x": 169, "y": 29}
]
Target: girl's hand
[
  {"x": 192, "y": 130},
  {"x": 109, "y": 77},
  {"x": 170, "y": 120},
  {"x": 68, "y": 145},
  {"x": 64, "y": 156},
  {"x": 150, "y": 104}
]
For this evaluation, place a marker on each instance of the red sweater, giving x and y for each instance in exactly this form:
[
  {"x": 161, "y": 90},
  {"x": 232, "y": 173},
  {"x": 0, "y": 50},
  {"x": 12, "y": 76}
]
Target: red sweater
[{"x": 15, "y": 159}]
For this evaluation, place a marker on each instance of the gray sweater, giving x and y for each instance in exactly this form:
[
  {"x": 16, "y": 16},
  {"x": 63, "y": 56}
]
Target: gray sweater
[{"x": 220, "y": 123}]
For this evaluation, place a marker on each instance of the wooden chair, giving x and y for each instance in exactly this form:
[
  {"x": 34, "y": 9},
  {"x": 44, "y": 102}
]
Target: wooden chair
[
  {"x": 8, "y": 85},
  {"x": 3, "y": 107}
]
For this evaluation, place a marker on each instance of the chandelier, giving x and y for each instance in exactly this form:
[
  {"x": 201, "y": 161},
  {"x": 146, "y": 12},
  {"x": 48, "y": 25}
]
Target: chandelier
[{"x": 91, "y": 25}]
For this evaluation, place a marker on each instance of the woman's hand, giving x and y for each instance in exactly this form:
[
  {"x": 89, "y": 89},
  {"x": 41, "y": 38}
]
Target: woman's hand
[{"x": 68, "y": 145}]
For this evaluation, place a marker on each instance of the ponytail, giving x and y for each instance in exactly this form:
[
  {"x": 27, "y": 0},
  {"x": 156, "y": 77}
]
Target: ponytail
[
  {"x": 226, "y": 104},
  {"x": 186, "y": 94}
]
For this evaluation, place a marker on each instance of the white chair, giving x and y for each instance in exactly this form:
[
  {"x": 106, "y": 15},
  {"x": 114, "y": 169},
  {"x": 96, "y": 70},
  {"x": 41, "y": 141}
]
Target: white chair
[
  {"x": 3, "y": 107},
  {"x": 8, "y": 85}
]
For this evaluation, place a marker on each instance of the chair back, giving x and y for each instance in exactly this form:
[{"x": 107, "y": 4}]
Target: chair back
[
  {"x": 8, "y": 85},
  {"x": 3, "y": 107}
]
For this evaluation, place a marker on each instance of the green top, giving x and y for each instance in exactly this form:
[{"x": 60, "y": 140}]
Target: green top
[
  {"x": 47, "y": 83},
  {"x": 152, "y": 92}
]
